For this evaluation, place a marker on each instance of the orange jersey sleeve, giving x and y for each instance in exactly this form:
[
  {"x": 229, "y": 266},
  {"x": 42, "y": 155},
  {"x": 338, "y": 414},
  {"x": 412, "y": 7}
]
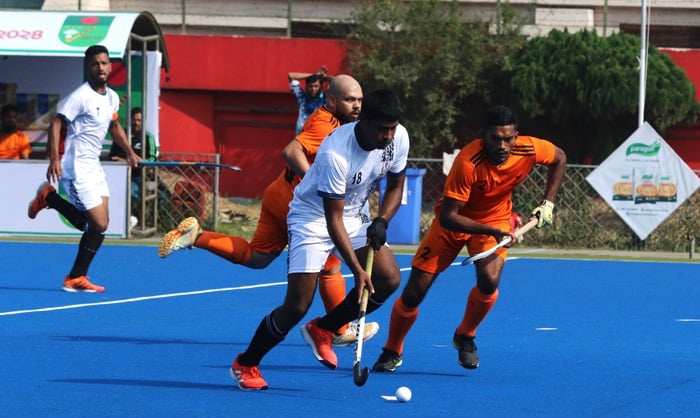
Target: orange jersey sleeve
[
  {"x": 317, "y": 127},
  {"x": 486, "y": 188}
]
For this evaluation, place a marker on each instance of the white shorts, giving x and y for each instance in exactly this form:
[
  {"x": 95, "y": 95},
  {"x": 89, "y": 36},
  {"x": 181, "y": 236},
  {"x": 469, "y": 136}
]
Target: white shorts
[
  {"x": 310, "y": 244},
  {"x": 87, "y": 190}
]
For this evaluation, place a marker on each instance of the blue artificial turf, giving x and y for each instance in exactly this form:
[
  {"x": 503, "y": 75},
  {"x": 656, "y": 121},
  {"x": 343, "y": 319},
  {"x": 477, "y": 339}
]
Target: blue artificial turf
[{"x": 567, "y": 338}]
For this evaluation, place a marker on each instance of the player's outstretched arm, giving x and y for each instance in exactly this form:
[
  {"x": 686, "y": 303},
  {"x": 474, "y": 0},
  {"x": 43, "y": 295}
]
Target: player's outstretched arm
[
  {"x": 555, "y": 175},
  {"x": 294, "y": 155}
]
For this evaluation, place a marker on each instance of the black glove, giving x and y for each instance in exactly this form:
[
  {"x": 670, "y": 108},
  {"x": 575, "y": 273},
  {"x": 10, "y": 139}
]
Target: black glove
[{"x": 376, "y": 233}]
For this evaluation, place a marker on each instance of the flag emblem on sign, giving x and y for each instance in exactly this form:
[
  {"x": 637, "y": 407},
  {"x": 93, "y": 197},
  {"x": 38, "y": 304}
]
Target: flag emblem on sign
[{"x": 84, "y": 30}]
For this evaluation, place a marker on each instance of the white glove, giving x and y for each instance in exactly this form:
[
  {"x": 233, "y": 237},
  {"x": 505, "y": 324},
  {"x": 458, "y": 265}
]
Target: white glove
[{"x": 544, "y": 214}]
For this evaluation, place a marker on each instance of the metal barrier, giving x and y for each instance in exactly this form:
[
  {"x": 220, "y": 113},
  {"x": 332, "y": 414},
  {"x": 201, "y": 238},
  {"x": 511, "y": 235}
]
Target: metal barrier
[
  {"x": 582, "y": 218},
  {"x": 182, "y": 191}
]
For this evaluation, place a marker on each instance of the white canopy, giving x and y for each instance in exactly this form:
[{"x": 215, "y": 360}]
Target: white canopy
[{"x": 68, "y": 34}]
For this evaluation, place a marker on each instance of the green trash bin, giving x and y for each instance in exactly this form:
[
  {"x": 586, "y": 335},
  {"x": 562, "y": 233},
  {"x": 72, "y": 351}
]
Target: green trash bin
[{"x": 404, "y": 228}]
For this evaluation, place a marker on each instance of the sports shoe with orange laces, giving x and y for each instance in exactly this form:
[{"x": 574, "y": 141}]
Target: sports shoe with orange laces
[
  {"x": 39, "y": 201},
  {"x": 321, "y": 343},
  {"x": 81, "y": 284},
  {"x": 181, "y": 237},
  {"x": 350, "y": 335},
  {"x": 248, "y": 378}
]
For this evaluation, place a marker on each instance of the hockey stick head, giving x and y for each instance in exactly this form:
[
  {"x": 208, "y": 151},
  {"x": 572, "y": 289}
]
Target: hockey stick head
[
  {"x": 359, "y": 374},
  {"x": 518, "y": 233}
]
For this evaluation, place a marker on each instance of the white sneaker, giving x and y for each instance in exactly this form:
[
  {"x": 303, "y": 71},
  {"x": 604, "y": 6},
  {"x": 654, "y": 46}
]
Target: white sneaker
[
  {"x": 181, "y": 237},
  {"x": 350, "y": 334}
]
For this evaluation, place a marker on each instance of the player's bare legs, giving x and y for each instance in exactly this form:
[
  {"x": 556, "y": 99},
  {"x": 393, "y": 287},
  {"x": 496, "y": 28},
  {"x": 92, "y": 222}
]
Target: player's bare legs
[
  {"x": 403, "y": 315},
  {"x": 386, "y": 277},
  {"x": 238, "y": 250}
]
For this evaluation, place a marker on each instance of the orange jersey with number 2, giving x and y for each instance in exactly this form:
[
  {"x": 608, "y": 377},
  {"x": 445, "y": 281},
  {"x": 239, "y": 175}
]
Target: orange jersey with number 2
[{"x": 487, "y": 188}]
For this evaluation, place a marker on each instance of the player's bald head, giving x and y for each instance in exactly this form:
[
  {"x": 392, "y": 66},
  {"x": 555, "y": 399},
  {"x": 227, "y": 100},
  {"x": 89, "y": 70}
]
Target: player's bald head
[
  {"x": 344, "y": 98},
  {"x": 342, "y": 84}
]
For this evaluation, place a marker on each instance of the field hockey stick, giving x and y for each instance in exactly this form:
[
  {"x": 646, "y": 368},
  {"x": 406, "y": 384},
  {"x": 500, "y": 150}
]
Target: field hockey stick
[
  {"x": 518, "y": 233},
  {"x": 187, "y": 164},
  {"x": 359, "y": 376}
]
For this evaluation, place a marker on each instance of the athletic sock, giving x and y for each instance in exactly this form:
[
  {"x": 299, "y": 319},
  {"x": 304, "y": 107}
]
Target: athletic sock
[
  {"x": 66, "y": 208},
  {"x": 346, "y": 311},
  {"x": 90, "y": 242},
  {"x": 234, "y": 249},
  {"x": 478, "y": 306},
  {"x": 331, "y": 287},
  {"x": 402, "y": 319},
  {"x": 266, "y": 337}
]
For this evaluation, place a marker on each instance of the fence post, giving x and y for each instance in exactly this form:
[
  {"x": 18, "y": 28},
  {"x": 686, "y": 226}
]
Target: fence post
[{"x": 691, "y": 247}]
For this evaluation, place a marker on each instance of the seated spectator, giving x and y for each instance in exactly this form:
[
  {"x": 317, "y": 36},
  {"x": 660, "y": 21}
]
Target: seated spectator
[
  {"x": 14, "y": 144},
  {"x": 118, "y": 154}
]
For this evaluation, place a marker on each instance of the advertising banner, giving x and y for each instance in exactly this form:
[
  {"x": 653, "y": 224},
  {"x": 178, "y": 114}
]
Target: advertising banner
[
  {"x": 27, "y": 175},
  {"x": 644, "y": 180}
]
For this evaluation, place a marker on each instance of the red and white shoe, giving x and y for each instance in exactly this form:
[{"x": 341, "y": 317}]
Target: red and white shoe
[
  {"x": 81, "y": 284},
  {"x": 248, "y": 378},
  {"x": 321, "y": 343},
  {"x": 39, "y": 201}
]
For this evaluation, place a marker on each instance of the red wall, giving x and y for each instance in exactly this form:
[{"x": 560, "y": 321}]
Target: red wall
[
  {"x": 245, "y": 63},
  {"x": 230, "y": 95},
  {"x": 689, "y": 61},
  {"x": 186, "y": 121},
  {"x": 685, "y": 140}
]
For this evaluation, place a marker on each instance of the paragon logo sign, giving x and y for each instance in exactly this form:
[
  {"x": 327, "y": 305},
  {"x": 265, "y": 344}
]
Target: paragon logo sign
[
  {"x": 84, "y": 30},
  {"x": 643, "y": 149}
]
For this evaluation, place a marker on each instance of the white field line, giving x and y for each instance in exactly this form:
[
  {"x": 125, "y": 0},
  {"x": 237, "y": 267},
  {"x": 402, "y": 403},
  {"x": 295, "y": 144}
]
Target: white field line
[
  {"x": 142, "y": 298},
  {"x": 163, "y": 296}
]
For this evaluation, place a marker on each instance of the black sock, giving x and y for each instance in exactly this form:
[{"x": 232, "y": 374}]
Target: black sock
[
  {"x": 66, "y": 208},
  {"x": 348, "y": 310},
  {"x": 90, "y": 242},
  {"x": 266, "y": 337}
]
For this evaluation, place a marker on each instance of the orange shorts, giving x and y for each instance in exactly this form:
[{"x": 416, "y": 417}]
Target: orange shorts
[
  {"x": 271, "y": 233},
  {"x": 440, "y": 247}
]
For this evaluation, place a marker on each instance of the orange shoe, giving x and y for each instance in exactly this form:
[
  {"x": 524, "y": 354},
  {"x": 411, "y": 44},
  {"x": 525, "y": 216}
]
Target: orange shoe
[
  {"x": 39, "y": 201},
  {"x": 81, "y": 284},
  {"x": 184, "y": 236},
  {"x": 248, "y": 378},
  {"x": 321, "y": 343}
]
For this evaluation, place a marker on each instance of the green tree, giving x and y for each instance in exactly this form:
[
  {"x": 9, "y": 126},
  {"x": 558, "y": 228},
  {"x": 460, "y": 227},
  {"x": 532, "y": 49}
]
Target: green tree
[
  {"x": 427, "y": 54},
  {"x": 582, "y": 90}
]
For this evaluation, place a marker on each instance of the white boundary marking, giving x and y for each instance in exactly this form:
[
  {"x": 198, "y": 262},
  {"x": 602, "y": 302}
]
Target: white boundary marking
[
  {"x": 142, "y": 298},
  {"x": 163, "y": 296}
]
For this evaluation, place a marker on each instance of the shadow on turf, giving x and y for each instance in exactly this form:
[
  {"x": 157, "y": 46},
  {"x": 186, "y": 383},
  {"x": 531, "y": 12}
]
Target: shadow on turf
[
  {"x": 33, "y": 289},
  {"x": 311, "y": 368},
  {"x": 148, "y": 383},
  {"x": 138, "y": 341}
]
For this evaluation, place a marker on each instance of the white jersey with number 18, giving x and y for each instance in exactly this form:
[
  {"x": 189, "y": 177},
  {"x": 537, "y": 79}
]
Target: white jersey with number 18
[{"x": 343, "y": 170}]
